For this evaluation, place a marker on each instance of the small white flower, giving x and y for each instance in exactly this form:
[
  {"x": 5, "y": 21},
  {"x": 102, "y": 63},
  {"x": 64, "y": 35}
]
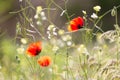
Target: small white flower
[
  {"x": 42, "y": 14},
  {"x": 36, "y": 16},
  {"x": 84, "y": 12},
  {"x": 38, "y": 23},
  {"x": 66, "y": 37},
  {"x": 54, "y": 33},
  {"x": 69, "y": 43},
  {"x": 94, "y": 16},
  {"x": 23, "y": 41},
  {"x": 20, "y": 50},
  {"x": 48, "y": 32},
  {"x": 44, "y": 18},
  {"x": 50, "y": 27},
  {"x": 54, "y": 29},
  {"x": 20, "y": 0},
  {"x": 97, "y": 8},
  {"x": 50, "y": 69},
  {"x": 61, "y": 32}
]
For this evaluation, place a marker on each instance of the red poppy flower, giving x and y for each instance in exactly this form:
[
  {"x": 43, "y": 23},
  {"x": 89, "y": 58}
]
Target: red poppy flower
[
  {"x": 44, "y": 61},
  {"x": 76, "y": 24},
  {"x": 34, "y": 49}
]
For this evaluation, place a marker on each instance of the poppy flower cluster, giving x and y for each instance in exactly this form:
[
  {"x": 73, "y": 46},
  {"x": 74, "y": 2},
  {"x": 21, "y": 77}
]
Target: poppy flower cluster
[
  {"x": 76, "y": 24},
  {"x": 34, "y": 49}
]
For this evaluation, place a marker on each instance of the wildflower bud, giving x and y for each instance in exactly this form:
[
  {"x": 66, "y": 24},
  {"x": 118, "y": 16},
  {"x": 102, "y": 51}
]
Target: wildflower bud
[
  {"x": 113, "y": 12},
  {"x": 50, "y": 27},
  {"x": 39, "y": 9},
  {"x": 97, "y": 8}
]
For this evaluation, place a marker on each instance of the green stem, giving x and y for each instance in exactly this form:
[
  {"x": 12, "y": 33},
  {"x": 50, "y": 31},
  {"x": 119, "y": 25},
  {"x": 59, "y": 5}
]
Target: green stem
[{"x": 86, "y": 77}]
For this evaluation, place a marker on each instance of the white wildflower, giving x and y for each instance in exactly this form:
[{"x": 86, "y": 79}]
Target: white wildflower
[
  {"x": 97, "y": 8},
  {"x": 66, "y": 37},
  {"x": 50, "y": 27},
  {"x": 20, "y": 0},
  {"x": 69, "y": 43},
  {"x": 23, "y": 41},
  {"x": 54, "y": 33},
  {"x": 36, "y": 16},
  {"x": 44, "y": 18},
  {"x": 61, "y": 32},
  {"x": 94, "y": 16},
  {"x": 42, "y": 14},
  {"x": 48, "y": 32},
  {"x": 20, "y": 50},
  {"x": 54, "y": 29},
  {"x": 38, "y": 23},
  {"x": 84, "y": 12}
]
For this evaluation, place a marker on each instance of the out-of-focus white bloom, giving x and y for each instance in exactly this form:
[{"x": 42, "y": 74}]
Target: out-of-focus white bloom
[
  {"x": 55, "y": 48},
  {"x": 36, "y": 16},
  {"x": 66, "y": 37},
  {"x": 61, "y": 32},
  {"x": 54, "y": 33},
  {"x": 94, "y": 16},
  {"x": 23, "y": 41},
  {"x": 69, "y": 43},
  {"x": 54, "y": 29},
  {"x": 38, "y": 23},
  {"x": 20, "y": 50},
  {"x": 84, "y": 12},
  {"x": 50, "y": 69},
  {"x": 83, "y": 49},
  {"x": 39, "y": 9},
  {"x": 20, "y": 0},
  {"x": 97, "y": 8},
  {"x": 42, "y": 13},
  {"x": 48, "y": 32},
  {"x": 44, "y": 18},
  {"x": 50, "y": 27}
]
